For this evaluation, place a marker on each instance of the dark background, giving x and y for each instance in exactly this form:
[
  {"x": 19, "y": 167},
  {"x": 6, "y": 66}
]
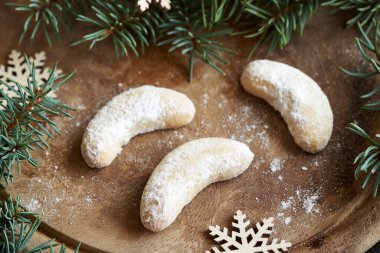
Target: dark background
[{"x": 375, "y": 249}]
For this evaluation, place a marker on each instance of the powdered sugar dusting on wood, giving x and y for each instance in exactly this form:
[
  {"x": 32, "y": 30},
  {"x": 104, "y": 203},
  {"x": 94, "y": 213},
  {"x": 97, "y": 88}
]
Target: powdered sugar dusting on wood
[
  {"x": 304, "y": 199},
  {"x": 276, "y": 165}
]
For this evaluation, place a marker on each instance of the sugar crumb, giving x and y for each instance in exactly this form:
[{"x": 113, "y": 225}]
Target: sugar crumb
[
  {"x": 287, "y": 220},
  {"x": 33, "y": 205},
  {"x": 88, "y": 199},
  {"x": 286, "y": 204},
  {"x": 309, "y": 203},
  {"x": 275, "y": 165}
]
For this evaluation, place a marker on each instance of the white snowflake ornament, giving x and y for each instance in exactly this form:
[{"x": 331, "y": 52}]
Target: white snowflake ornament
[
  {"x": 144, "y": 4},
  {"x": 17, "y": 70},
  {"x": 245, "y": 239}
]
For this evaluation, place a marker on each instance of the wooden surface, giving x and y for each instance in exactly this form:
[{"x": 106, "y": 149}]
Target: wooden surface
[{"x": 101, "y": 207}]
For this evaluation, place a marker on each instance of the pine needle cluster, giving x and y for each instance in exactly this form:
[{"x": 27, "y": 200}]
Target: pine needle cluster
[
  {"x": 49, "y": 17},
  {"x": 364, "y": 11},
  {"x": 192, "y": 27},
  {"x": 25, "y": 125},
  {"x": 127, "y": 27},
  {"x": 368, "y": 161},
  {"x": 25, "y": 119},
  {"x": 17, "y": 228},
  {"x": 276, "y": 21}
]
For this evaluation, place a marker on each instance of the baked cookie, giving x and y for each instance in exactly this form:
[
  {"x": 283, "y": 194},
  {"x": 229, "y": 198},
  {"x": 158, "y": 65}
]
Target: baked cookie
[
  {"x": 301, "y": 102},
  {"x": 184, "y": 172},
  {"x": 133, "y": 112}
]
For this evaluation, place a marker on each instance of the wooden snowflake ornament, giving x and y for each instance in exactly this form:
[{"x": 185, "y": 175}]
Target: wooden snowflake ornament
[
  {"x": 144, "y": 4},
  {"x": 245, "y": 239},
  {"x": 17, "y": 70}
]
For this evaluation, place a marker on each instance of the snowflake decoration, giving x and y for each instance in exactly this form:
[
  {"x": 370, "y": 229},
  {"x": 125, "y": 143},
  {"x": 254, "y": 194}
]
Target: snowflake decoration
[
  {"x": 144, "y": 4},
  {"x": 246, "y": 240},
  {"x": 17, "y": 70}
]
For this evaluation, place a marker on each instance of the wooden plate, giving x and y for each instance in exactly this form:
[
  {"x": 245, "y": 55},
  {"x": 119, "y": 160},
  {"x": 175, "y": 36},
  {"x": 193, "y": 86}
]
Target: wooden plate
[{"x": 325, "y": 209}]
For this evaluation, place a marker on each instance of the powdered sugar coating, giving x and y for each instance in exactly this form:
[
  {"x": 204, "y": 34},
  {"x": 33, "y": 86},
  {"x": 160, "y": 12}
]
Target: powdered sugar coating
[
  {"x": 184, "y": 172},
  {"x": 299, "y": 99},
  {"x": 136, "y": 111}
]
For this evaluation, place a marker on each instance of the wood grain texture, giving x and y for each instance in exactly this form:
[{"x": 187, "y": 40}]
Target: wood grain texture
[{"x": 101, "y": 207}]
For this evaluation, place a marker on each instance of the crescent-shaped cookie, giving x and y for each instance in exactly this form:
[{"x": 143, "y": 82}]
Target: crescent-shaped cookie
[
  {"x": 299, "y": 99},
  {"x": 184, "y": 172},
  {"x": 130, "y": 113}
]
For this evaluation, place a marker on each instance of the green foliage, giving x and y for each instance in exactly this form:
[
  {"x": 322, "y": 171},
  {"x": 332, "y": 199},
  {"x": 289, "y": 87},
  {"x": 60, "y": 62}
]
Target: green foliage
[
  {"x": 49, "y": 15},
  {"x": 368, "y": 161},
  {"x": 190, "y": 30},
  {"x": 370, "y": 51},
  {"x": 192, "y": 27},
  {"x": 25, "y": 125},
  {"x": 17, "y": 228},
  {"x": 365, "y": 11},
  {"x": 275, "y": 21},
  {"x": 25, "y": 120},
  {"x": 124, "y": 24}
]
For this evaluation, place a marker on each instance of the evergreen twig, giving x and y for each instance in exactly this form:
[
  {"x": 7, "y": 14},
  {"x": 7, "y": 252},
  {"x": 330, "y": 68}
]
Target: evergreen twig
[
  {"x": 25, "y": 120},
  {"x": 17, "y": 228},
  {"x": 48, "y": 16},
  {"x": 190, "y": 30},
  {"x": 365, "y": 11},
  {"x": 25, "y": 123},
  {"x": 128, "y": 28},
  {"x": 368, "y": 161},
  {"x": 275, "y": 21},
  {"x": 370, "y": 51},
  {"x": 191, "y": 27}
]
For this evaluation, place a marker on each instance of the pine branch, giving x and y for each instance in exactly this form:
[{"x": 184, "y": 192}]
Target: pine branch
[
  {"x": 48, "y": 16},
  {"x": 368, "y": 161},
  {"x": 124, "y": 24},
  {"x": 220, "y": 12},
  {"x": 275, "y": 21},
  {"x": 42, "y": 14},
  {"x": 365, "y": 11},
  {"x": 17, "y": 228},
  {"x": 25, "y": 119},
  {"x": 193, "y": 28},
  {"x": 370, "y": 51}
]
